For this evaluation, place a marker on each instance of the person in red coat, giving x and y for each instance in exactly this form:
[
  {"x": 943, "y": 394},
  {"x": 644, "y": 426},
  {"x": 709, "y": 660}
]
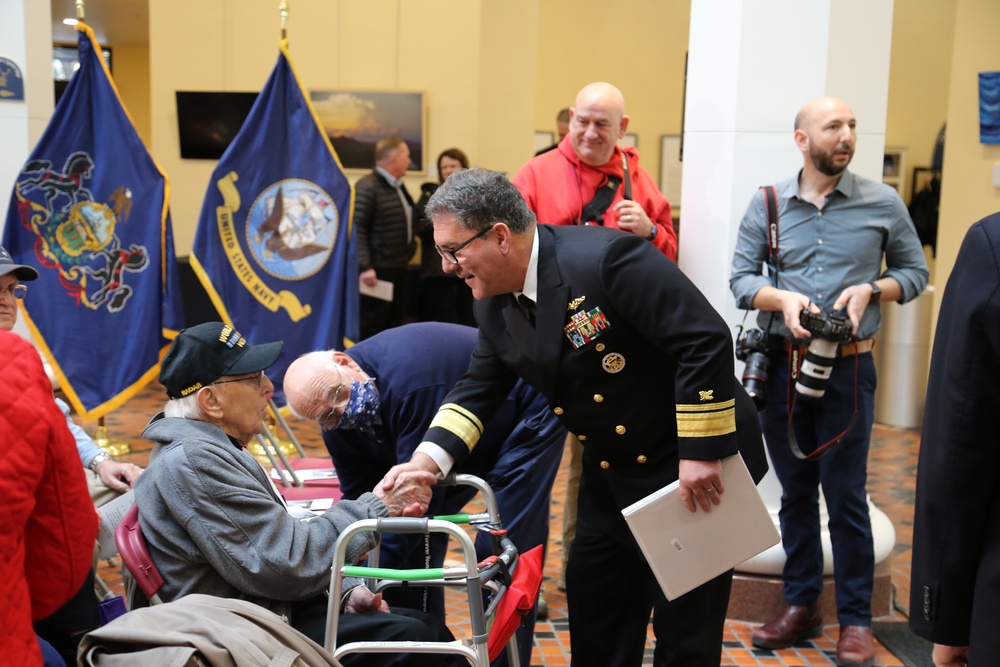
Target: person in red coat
[{"x": 49, "y": 525}]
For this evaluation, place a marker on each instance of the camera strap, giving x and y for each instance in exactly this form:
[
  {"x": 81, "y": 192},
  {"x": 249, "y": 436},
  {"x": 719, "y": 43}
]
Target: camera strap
[
  {"x": 594, "y": 210},
  {"x": 771, "y": 207},
  {"x": 794, "y": 363}
]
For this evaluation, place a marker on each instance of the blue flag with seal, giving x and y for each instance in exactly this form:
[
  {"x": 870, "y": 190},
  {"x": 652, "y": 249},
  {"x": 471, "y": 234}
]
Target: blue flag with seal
[
  {"x": 90, "y": 212},
  {"x": 274, "y": 247}
]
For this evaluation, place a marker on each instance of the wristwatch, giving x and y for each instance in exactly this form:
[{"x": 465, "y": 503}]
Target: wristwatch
[
  {"x": 652, "y": 234},
  {"x": 876, "y": 292},
  {"x": 98, "y": 460}
]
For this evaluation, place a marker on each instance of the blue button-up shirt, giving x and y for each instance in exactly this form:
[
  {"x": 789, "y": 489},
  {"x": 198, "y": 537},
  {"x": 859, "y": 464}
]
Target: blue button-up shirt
[{"x": 821, "y": 252}]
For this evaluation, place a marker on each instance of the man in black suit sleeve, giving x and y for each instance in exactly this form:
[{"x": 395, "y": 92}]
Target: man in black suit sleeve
[
  {"x": 635, "y": 361},
  {"x": 955, "y": 582}
]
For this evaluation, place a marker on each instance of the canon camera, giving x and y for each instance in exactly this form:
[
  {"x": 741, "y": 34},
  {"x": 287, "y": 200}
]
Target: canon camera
[
  {"x": 751, "y": 348},
  {"x": 829, "y": 330}
]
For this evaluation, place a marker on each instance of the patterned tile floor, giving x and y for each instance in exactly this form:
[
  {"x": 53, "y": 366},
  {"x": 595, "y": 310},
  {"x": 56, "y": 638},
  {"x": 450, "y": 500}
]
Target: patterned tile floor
[{"x": 892, "y": 470}]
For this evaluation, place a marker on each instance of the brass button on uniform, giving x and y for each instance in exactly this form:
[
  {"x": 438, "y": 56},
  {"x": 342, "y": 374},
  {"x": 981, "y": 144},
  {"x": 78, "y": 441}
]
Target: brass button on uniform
[
  {"x": 605, "y": 465},
  {"x": 558, "y": 411},
  {"x": 598, "y": 398},
  {"x": 599, "y": 347},
  {"x": 641, "y": 458},
  {"x": 620, "y": 430},
  {"x": 581, "y": 438}
]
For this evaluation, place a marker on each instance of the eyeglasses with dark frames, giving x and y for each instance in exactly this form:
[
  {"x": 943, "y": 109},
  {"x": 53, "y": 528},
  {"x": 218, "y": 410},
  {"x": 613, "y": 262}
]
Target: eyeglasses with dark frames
[
  {"x": 16, "y": 291},
  {"x": 259, "y": 377},
  {"x": 452, "y": 254},
  {"x": 339, "y": 396}
]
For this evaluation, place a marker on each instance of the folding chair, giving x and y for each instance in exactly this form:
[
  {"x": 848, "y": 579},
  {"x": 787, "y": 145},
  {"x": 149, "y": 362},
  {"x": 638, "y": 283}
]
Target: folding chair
[
  {"x": 293, "y": 476},
  {"x": 492, "y": 626},
  {"x": 135, "y": 556}
]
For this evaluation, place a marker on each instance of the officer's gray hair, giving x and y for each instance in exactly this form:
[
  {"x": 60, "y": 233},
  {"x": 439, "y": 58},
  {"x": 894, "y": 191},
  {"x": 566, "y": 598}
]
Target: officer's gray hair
[{"x": 480, "y": 198}]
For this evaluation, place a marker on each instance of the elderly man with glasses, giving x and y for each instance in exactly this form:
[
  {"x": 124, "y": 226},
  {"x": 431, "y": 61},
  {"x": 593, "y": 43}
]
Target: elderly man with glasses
[
  {"x": 215, "y": 523},
  {"x": 375, "y": 402}
]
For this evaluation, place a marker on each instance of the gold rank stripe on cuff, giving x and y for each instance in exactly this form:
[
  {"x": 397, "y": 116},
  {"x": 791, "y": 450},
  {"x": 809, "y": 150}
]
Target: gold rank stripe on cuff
[
  {"x": 704, "y": 421},
  {"x": 459, "y": 421}
]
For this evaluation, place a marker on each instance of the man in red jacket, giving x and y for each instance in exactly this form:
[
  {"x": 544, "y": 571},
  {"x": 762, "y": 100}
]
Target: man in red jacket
[
  {"x": 564, "y": 186},
  {"x": 49, "y": 526}
]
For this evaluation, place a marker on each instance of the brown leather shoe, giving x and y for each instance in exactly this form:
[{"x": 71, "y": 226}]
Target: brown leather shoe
[
  {"x": 795, "y": 624},
  {"x": 855, "y": 647}
]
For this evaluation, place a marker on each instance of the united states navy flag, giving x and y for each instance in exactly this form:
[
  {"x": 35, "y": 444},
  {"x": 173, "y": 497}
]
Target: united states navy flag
[
  {"x": 90, "y": 212},
  {"x": 274, "y": 248}
]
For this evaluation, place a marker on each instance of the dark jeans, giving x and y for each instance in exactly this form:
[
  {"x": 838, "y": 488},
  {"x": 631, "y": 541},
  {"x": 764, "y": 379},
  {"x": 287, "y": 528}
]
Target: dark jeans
[{"x": 842, "y": 474}]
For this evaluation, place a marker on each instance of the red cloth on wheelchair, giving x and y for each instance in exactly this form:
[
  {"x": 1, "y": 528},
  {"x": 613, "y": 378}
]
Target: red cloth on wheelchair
[{"x": 517, "y": 601}]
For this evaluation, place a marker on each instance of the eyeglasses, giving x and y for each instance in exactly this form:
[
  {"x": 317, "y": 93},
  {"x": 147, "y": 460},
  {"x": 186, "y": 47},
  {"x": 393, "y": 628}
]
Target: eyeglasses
[
  {"x": 259, "y": 377},
  {"x": 451, "y": 255},
  {"x": 338, "y": 395},
  {"x": 16, "y": 291}
]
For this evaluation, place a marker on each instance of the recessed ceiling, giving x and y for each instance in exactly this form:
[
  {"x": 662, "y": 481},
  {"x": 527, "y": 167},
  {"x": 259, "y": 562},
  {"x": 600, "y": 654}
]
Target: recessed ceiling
[{"x": 113, "y": 21}]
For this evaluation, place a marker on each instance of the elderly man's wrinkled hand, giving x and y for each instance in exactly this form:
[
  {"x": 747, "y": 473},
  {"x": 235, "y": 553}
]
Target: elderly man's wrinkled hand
[
  {"x": 409, "y": 495},
  {"x": 360, "y": 600}
]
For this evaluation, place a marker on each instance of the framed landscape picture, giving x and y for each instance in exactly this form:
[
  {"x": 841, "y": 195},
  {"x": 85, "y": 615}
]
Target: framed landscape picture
[{"x": 356, "y": 120}]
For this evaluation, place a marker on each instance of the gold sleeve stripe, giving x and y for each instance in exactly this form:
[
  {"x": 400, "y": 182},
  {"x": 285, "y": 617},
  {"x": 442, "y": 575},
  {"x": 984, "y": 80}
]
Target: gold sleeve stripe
[
  {"x": 706, "y": 425},
  {"x": 456, "y": 419},
  {"x": 705, "y": 407}
]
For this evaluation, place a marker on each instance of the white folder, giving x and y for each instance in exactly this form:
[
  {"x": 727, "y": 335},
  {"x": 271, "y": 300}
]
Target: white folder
[{"x": 686, "y": 549}]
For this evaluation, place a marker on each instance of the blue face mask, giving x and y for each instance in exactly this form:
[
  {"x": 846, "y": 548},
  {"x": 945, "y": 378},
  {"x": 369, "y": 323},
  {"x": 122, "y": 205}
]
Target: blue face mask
[{"x": 362, "y": 406}]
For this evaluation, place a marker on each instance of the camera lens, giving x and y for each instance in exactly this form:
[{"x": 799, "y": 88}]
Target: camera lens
[
  {"x": 755, "y": 377},
  {"x": 816, "y": 368}
]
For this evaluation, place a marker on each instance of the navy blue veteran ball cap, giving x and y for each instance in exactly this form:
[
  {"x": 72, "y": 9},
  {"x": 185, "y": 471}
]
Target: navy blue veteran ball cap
[
  {"x": 20, "y": 271},
  {"x": 202, "y": 354}
]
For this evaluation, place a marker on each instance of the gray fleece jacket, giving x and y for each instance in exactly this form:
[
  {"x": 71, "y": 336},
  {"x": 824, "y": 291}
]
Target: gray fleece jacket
[{"x": 215, "y": 525}]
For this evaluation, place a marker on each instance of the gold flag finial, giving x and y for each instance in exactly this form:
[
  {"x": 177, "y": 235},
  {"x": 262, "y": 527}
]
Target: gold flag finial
[
  {"x": 283, "y": 10},
  {"x": 79, "y": 10}
]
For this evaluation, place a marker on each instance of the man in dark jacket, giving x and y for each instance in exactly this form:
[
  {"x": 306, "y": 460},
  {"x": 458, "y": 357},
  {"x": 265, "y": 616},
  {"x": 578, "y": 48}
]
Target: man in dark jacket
[
  {"x": 562, "y": 308},
  {"x": 383, "y": 220},
  {"x": 955, "y": 585}
]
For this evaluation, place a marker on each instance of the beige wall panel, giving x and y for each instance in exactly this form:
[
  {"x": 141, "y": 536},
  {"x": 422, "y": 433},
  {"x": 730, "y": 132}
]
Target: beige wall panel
[
  {"x": 967, "y": 193},
  {"x": 131, "y": 74}
]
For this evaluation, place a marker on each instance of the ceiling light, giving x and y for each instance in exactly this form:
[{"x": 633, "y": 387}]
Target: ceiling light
[{"x": 69, "y": 21}]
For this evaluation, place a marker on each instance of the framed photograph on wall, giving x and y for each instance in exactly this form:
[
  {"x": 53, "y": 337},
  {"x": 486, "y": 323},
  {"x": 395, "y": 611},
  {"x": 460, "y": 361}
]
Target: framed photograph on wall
[
  {"x": 630, "y": 139},
  {"x": 356, "y": 120},
  {"x": 543, "y": 139},
  {"x": 671, "y": 169}
]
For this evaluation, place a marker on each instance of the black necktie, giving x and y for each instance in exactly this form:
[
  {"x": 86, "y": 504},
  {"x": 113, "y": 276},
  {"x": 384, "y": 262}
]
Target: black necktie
[{"x": 527, "y": 307}]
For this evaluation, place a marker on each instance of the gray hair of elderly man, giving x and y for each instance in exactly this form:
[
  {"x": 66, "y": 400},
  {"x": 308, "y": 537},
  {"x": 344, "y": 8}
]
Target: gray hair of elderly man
[
  {"x": 186, "y": 407},
  {"x": 480, "y": 198}
]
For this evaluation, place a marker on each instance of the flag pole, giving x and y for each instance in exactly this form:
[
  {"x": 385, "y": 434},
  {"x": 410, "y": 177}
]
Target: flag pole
[
  {"x": 114, "y": 447},
  {"x": 283, "y": 11},
  {"x": 79, "y": 11}
]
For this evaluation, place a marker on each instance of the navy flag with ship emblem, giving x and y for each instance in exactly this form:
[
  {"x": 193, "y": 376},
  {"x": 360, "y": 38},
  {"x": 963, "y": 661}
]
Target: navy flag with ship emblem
[
  {"x": 274, "y": 247},
  {"x": 90, "y": 212}
]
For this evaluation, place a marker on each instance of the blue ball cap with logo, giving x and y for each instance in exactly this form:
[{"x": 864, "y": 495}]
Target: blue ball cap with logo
[
  {"x": 202, "y": 354},
  {"x": 20, "y": 271}
]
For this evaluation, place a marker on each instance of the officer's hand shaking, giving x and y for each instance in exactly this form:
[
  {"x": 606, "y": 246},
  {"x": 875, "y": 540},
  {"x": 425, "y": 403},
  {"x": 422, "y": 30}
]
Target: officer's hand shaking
[
  {"x": 701, "y": 482},
  {"x": 408, "y": 494}
]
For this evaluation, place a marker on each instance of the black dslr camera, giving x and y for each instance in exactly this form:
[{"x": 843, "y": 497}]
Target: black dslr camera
[
  {"x": 751, "y": 347},
  {"x": 828, "y": 331}
]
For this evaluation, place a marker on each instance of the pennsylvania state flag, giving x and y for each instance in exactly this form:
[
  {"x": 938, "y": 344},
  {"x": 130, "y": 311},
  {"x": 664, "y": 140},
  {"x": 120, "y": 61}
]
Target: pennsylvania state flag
[
  {"x": 90, "y": 212},
  {"x": 274, "y": 248}
]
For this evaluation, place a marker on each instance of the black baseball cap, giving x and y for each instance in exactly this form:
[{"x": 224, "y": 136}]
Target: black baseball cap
[
  {"x": 202, "y": 354},
  {"x": 20, "y": 271}
]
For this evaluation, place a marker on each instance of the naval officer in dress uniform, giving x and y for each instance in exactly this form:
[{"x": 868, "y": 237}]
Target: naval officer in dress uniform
[{"x": 633, "y": 359}]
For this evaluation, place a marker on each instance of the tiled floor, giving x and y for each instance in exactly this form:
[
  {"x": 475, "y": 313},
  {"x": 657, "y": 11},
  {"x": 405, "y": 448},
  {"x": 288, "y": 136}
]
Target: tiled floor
[{"x": 892, "y": 469}]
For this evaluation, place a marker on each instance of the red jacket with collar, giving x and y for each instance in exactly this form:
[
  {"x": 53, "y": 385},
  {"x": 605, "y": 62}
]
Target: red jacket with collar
[
  {"x": 48, "y": 525},
  {"x": 557, "y": 186}
]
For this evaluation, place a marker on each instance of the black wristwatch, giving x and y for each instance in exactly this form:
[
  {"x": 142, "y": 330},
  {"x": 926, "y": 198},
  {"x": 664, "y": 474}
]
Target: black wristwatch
[{"x": 876, "y": 292}]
